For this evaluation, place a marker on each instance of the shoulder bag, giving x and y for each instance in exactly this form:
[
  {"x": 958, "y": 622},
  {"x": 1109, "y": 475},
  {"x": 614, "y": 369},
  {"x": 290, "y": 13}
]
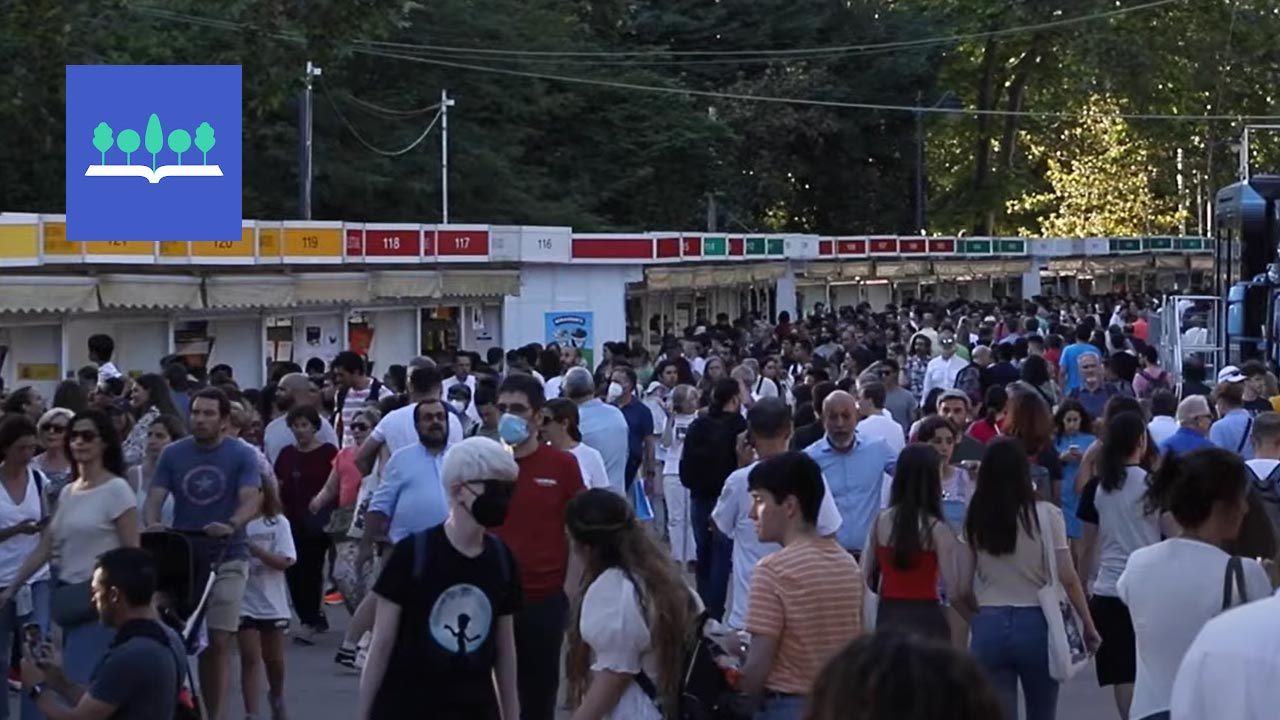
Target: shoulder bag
[
  {"x": 1234, "y": 575},
  {"x": 1067, "y": 651}
]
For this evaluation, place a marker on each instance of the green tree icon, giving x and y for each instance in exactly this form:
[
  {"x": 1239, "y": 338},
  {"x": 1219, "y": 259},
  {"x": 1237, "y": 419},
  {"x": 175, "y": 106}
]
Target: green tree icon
[
  {"x": 155, "y": 138},
  {"x": 127, "y": 141},
  {"x": 179, "y": 142},
  {"x": 102, "y": 140},
  {"x": 204, "y": 140}
]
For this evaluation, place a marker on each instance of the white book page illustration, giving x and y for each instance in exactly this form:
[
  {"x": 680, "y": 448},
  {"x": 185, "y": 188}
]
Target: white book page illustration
[{"x": 155, "y": 176}]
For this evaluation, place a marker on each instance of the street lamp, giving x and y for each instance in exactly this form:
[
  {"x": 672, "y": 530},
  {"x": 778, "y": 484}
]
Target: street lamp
[{"x": 949, "y": 102}]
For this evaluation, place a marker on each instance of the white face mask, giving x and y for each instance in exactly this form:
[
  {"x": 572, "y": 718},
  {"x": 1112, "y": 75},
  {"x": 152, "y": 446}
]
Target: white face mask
[
  {"x": 458, "y": 405},
  {"x": 615, "y": 392}
]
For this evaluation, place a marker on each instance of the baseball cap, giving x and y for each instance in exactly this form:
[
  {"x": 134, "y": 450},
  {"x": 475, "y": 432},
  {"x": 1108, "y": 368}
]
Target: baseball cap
[
  {"x": 1192, "y": 407},
  {"x": 1230, "y": 374},
  {"x": 654, "y": 386}
]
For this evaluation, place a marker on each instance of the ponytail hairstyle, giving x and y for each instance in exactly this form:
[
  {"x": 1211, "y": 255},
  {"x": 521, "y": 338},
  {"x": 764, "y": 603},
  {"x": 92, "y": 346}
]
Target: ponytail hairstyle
[
  {"x": 1124, "y": 433},
  {"x": 605, "y": 529}
]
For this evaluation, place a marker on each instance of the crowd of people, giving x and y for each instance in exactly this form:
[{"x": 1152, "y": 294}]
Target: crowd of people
[{"x": 871, "y": 514}]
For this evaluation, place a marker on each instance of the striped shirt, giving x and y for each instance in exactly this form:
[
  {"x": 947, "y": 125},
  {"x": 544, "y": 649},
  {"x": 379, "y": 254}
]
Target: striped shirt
[{"x": 809, "y": 596}]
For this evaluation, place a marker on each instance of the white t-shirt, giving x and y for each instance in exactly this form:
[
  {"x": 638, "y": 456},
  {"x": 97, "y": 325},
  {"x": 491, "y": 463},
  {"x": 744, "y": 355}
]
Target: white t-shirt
[
  {"x": 885, "y": 428},
  {"x": 1232, "y": 669},
  {"x": 1162, "y": 427},
  {"x": 397, "y": 429},
  {"x": 266, "y": 595},
  {"x": 84, "y": 526},
  {"x": 1172, "y": 589},
  {"x": 591, "y": 462},
  {"x": 1123, "y": 526},
  {"x": 17, "y": 548},
  {"x": 1262, "y": 467},
  {"x": 277, "y": 436},
  {"x": 671, "y": 457},
  {"x": 615, "y": 628},
  {"x": 107, "y": 371},
  {"x": 732, "y": 517}
]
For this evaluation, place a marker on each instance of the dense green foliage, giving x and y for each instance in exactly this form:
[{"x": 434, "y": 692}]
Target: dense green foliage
[{"x": 542, "y": 151}]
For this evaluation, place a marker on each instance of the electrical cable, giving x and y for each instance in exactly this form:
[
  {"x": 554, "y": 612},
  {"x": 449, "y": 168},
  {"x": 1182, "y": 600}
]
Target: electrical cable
[{"x": 385, "y": 153}]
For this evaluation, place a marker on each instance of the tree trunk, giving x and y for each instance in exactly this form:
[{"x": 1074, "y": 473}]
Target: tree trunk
[
  {"x": 1016, "y": 93},
  {"x": 985, "y": 101}
]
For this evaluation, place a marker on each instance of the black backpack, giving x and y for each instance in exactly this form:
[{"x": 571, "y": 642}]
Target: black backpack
[{"x": 705, "y": 693}]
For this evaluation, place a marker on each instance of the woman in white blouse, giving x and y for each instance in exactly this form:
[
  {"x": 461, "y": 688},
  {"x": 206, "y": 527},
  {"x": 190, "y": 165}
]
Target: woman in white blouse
[
  {"x": 628, "y": 630},
  {"x": 560, "y": 430}
]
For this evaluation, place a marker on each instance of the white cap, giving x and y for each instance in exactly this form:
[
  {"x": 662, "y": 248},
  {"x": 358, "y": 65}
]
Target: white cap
[{"x": 1230, "y": 374}]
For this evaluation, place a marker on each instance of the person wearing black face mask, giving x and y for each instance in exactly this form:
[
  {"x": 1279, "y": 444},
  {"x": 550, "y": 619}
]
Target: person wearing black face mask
[{"x": 446, "y": 602}]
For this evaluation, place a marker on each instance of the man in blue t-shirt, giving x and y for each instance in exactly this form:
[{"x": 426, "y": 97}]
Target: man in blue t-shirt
[
  {"x": 216, "y": 487},
  {"x": 1070, "y": 360},
  {"x": 639, "y": 424}
]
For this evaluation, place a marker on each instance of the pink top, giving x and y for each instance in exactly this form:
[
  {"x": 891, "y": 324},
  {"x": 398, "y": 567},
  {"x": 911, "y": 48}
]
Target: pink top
[{"x": 349, "y": 476}]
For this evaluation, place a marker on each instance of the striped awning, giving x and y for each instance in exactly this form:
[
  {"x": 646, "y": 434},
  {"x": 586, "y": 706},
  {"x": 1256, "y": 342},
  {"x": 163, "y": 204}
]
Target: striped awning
[{"x": 48, "y": 294}]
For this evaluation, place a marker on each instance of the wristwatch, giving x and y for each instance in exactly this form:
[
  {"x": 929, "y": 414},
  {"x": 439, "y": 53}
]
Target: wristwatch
[{"x": 35, "y": 692}]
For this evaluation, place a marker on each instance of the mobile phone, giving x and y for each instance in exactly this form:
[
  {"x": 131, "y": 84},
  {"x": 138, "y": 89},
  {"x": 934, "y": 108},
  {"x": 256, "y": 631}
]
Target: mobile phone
[
  {"x": 1073, "y": 448},
  {"x": 33, "y": 636}
]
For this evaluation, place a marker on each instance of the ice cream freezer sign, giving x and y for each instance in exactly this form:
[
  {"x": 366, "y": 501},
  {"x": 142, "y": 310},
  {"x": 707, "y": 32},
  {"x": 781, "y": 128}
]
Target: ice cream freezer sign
[{"x": 572, "y": 329}]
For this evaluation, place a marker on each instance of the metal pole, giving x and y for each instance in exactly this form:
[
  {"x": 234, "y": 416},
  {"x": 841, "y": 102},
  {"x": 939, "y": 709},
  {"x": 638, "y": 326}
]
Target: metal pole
[
  {"x": 1244, "y": 154},
  {"x": 919, "y": 164},
  {"x": 445, "y": 104},
  {"x": 305, "y": 171}
]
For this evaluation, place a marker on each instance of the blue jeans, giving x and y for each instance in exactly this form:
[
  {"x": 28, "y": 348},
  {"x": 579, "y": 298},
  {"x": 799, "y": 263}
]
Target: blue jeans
[
  {"x": 715, "y": 557},
  {"x": 10, "y": 625},
  {"x": 83, "y": 646},
  {"x": 1012, "y": 644},
  {"x": 781, "y": 707}
]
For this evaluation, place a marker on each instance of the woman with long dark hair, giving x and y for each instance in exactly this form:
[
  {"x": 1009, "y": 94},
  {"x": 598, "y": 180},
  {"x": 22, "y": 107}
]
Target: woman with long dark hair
[
  {"x": 97, "y": 512},
  {"x": 987, "y": 427},
  {"x": 70, "y": 394},
  {"x": 1117, "y": 521},
  {"x": 1035, "y": 372},
  {"x": 914, "y": 548},
  {"x": 1008, "y": 541},
  {"x": 629, "y": 628},
  {"x": 148, "y": 400},
  {"x": 1072, "y": 436},
  {"x": 1174, "y": 587}
]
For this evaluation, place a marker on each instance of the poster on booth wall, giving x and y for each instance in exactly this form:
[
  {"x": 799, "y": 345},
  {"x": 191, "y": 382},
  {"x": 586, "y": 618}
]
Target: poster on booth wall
[
  {"x": 574, "y": 330},
  {"x": 317, "y": 336}
]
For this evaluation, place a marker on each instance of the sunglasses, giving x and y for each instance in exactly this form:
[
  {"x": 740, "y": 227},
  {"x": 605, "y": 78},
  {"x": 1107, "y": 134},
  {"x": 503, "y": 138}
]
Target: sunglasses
[
  {"x": 359, "y": 427},
  {"x": 55, "y": 429},
  {"x": 85, "y": 435}
]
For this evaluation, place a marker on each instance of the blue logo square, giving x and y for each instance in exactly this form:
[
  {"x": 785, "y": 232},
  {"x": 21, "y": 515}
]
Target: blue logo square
[{"x": 126, "y": 179}]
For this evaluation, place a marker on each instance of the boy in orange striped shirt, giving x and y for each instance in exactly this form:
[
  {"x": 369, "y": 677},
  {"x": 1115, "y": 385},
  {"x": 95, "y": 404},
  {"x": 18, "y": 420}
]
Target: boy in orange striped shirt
[{"x": 805, "y": 603}]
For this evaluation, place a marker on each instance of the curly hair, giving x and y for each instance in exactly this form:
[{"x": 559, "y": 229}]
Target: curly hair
[{"x": 604, "y": 526}]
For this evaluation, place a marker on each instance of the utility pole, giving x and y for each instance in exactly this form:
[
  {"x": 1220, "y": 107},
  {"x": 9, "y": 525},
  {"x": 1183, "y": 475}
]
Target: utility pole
[
  {"x": 445, "y": 104},
  {"x": 304, "y": 160},
  {"x": 919, "y": 203}
]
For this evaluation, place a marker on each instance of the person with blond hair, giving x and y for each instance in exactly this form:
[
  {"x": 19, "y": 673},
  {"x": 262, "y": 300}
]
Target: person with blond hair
[{"x": 446, "y": 600}]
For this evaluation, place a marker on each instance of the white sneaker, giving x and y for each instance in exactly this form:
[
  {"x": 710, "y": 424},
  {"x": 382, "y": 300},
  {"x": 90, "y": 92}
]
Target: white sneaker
[{"x": 362, "y": 650}]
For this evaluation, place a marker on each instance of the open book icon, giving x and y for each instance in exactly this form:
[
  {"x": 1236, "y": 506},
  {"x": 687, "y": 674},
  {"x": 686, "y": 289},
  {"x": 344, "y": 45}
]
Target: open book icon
[{"x": 153, "y": 176}]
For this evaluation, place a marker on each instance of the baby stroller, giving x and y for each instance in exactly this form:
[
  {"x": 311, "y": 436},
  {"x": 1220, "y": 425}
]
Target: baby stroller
[{"x": 183, "y": 584}]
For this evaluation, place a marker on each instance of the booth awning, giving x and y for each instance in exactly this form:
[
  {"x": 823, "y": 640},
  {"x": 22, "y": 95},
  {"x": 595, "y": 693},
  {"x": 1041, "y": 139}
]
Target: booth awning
[
  {"x": 327, "y": 288},
  {"x": 1201, "y": 262},
  {"x": 423, "y": 284},
  {"x": 150, "y": 292},
  {"x": 480, "y": 283},
  {"x": 1171, "y": 262},
  {"x": 700, "y": 278},
  {"x": 48, "y": 294},
  {"x": 1066, "y": 265},
  {"x": 249, "y": 291},
  {"x": 1102, "y": 266},
  {"x": 899, "y": 270},
  {"x": 951, "y": 269}
]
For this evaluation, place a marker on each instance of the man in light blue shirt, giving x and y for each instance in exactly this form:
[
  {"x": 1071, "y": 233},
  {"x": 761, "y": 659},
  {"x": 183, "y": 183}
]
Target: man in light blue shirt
[
  {"x": 1070, "y": 360},
  {"x": 854, "y": 468},
  {"x": 1234, "y": 425},
  {"x": 411, "y": 497},
  {"x": 603, "y": 426}
]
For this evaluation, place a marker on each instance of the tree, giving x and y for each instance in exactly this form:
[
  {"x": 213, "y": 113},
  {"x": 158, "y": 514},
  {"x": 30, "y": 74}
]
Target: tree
[
  {"x": 155, "y": 138},
  {"x": 102, "y": 140},
  {"x": 127, "y": 141},
  {"x": 179, "y": 142},
  {"x": 204, "y": 141}
]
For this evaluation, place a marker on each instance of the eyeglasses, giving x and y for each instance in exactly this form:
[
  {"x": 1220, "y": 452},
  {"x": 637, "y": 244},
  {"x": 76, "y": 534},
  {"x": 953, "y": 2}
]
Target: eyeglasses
[
  {"x": 55, "y": 429},
  {"x": 85, "y": 435}
]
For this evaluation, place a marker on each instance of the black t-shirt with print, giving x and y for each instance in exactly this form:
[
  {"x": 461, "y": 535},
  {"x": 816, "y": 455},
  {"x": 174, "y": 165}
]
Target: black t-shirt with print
[{"x": 445, "y": 649}]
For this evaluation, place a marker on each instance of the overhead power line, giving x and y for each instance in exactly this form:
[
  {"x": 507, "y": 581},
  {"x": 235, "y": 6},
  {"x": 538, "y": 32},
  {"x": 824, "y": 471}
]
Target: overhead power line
[
  {"x": 374, "y": 148},
  {"x": 778, "y": 53}
]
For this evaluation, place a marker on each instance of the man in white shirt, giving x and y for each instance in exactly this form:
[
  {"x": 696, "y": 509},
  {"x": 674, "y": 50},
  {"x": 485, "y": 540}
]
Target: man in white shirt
[
  {"x": 769, "y": 433},
  {"x": 399, "y": 429},
  {"x": 101, "y": 348},
  {"x": 876, "y": 422},
  {"x": 1164, "y": 406},
  {"x": 462, "y": 376},
  {"x": 1232, "y": 669},
  {"x": 295, "y": 390},
  {"x": 942, "y": 370}
]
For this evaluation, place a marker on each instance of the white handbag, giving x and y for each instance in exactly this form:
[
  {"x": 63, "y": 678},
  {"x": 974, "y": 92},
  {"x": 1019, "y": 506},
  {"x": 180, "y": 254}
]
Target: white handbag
[{"x": 1067, "y": 651}]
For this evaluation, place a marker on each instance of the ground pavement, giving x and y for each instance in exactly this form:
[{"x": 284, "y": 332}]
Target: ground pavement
[{"x": 318, "y": 689}]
